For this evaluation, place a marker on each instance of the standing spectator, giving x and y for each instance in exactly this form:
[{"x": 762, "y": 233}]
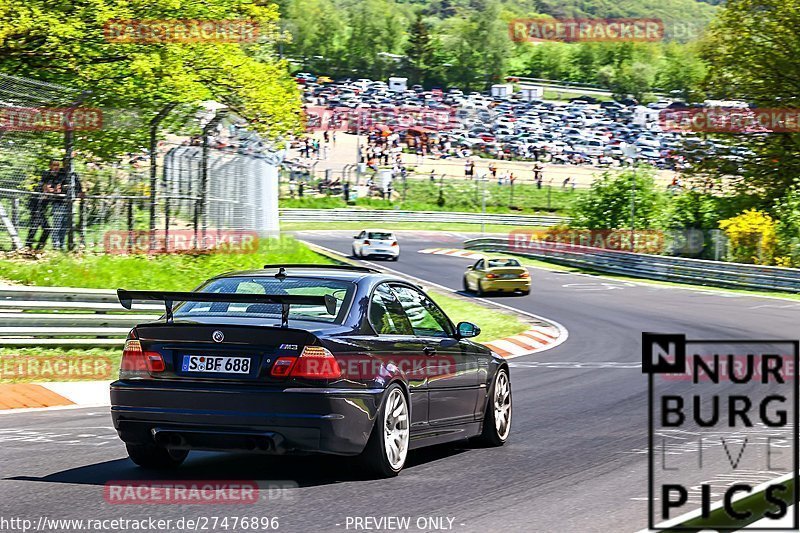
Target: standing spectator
[
  {"x": 327, "y": 136},
  {"x": 38, "y": 204},
  {"x": 493, "y": 169},
  {"x": 59, "y": 184},
  {"x": 566, "y": 182},
  {"x": 537, "y": 175},
  {"x": 333, "y": 138},
  {"x": 433, "y": 177}
]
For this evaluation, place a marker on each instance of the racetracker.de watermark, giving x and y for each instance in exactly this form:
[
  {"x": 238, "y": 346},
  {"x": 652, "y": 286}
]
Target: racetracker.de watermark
[
  {"x": 181, "y": 31},
  {"x": 180, "y": 241},
  {"x": 586, "y": 30},
  {"x": 48, "y": 368},
  {"x": 730, "y": 120},
  {"x": 50, "y": 118},
  {"x": 197, "y": 492},
  {"x": 320, "y": 118}
]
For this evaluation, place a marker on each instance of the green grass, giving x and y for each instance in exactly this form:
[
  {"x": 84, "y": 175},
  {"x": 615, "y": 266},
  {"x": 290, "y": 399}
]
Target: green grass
[
  {"x": 459, "y": 195},
  {"x": 494, "y": 324},
  {"x": 164, "y": 272},
  {"x": 424, "y": 226}
]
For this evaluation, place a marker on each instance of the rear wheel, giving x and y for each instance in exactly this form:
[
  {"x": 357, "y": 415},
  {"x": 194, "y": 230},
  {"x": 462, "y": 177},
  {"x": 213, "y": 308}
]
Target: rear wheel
[
  {"x": 466, "y": 285},
  {"x": 497, "y": 421},
  {"x": 480, "y": 291},
  {"x": 387, "y": 448},
  {"x": 354, "y": 254},
  {"x": 156, "y": 457}
]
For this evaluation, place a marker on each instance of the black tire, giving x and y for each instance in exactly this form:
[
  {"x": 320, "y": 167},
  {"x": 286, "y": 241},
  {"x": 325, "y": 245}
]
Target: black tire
[
  {"x": 374, "y": 458},
  {"x": 525, "y": 293},
  {"x": 480, "y": 290},
  {"x": 155, "y": 457},
  {"x": 490, "y": 436},
  {"x": 354, "y": 252},
  {"x": 466, "y": 285}
]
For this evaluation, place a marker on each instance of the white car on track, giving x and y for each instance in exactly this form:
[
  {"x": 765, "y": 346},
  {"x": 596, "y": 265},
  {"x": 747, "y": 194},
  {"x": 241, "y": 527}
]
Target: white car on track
[{"x": 376, "y": 243}]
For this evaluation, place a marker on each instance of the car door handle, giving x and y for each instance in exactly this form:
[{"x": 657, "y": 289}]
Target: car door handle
[{"x": 429, "y": 350}]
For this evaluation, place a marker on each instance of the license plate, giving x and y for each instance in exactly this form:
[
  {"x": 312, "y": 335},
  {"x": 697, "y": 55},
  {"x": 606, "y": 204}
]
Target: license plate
[
  {"x": 510, "y": 276},
  {"x": 212, "y": 364}
]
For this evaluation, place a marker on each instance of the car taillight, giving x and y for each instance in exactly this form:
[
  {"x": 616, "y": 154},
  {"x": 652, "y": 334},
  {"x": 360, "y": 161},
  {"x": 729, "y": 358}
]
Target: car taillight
[
  {"x": 137, "y": 363},
  {"x": 315, "y": 362},
  {"x": 366, "y": 243},
  {"x": 525, "y": 275},
  {"x": 491, "y": 276},
  {"x": 394, "y": 243}
]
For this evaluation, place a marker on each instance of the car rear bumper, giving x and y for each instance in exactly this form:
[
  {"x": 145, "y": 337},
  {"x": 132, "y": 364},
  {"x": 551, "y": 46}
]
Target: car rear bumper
[
  {"x": 213, "y": 416},
  {"x": 392, "y": 251},
  {"x": 507, "y": 285}
]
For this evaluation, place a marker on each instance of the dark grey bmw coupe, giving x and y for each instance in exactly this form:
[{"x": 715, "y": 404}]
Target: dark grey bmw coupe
[{"x": 305, "y": 358}]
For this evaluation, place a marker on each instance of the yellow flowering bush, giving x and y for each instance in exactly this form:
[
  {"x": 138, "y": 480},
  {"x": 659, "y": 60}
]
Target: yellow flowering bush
[{"x": 752, "y": 237}]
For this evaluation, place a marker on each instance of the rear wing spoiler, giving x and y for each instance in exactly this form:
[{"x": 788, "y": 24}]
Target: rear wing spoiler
[{"x": 285, "y": 300}]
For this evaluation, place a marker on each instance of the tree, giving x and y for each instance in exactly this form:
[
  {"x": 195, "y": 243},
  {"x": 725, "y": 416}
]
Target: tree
[
  {"x": 64, "y": 42},
  {"x": 787, "y": 227},
  {"x": 753, "y": 47},
  {"x": 420, "y": 49},
  {"x": 608, "y": 204},
  {"x": 477, "y": 46}
]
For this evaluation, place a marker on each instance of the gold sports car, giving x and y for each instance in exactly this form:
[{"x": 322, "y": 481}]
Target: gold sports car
[{"x": 497, "y": 275}]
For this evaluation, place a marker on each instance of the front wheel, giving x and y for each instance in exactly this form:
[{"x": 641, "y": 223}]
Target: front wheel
[
  {"x": 387, "y": 448},
  {"x": 497, "y": 421},
  {"x": 155, "y": 457}
]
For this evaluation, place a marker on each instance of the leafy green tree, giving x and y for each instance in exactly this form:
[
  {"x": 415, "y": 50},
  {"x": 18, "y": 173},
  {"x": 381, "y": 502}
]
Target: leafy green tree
[
  {"x": 787, "y": 228},
  {"x": 64, "y": 42},
  {"x": 753, "y": 47},
  {"x": 420, "y": 49},
  {"x": 477, "y": 46},
  {"x": 608, "y": 204}
]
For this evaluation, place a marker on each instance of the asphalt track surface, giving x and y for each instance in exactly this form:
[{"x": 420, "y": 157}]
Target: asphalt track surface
[{"x": 574, "y": 462}]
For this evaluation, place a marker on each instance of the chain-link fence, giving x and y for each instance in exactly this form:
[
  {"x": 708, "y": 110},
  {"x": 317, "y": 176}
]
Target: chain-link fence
[{"x": 206, "y": 175}]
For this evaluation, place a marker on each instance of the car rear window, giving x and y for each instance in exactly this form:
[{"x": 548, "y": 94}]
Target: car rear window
[
  {"x": 496, "y": 263},
  {"x": 380, "y": 236},
  {"x": 341, "y": 290}
]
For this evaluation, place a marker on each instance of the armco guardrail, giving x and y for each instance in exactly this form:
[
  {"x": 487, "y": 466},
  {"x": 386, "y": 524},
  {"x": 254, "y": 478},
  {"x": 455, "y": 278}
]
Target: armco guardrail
[
  {"x": 71, "y": 317},
  {"x": 392, "y": 215},
  {"x": 658, "y": 267}
]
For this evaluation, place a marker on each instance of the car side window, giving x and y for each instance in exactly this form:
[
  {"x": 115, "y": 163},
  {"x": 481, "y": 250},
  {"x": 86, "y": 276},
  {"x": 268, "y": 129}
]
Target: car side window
[
  {"x": 386, "y": 314},
  {"x": 479, "y": 265},
  {"x": 427, "y": 320},
  {"x": 361, "y": 235}
]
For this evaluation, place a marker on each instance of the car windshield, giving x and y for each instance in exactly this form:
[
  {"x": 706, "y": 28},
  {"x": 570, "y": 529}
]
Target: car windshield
[
  {"x": 497, "y": 263},
  {"x": 380, "y": 236},
  {"x": 342, "y": 291}
]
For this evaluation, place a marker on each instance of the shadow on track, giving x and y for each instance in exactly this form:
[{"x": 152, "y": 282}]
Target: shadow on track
[{"x": 306, "y": 471}]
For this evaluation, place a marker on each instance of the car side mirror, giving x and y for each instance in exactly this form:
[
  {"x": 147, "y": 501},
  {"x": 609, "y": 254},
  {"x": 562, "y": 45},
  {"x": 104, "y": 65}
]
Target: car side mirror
[
  {"x": 355, "y": 236},
  {"x": 467, "y": 330},
  {"x": 471, "y": 267}
]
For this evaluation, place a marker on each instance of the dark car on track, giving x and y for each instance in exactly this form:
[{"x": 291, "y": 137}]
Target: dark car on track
[{"x": 305, "y": 359}]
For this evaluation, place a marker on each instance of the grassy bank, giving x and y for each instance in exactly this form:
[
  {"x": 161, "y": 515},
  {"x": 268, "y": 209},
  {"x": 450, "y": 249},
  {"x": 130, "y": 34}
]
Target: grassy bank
[
  {"x": 458, "y": 195},
  {"x": 165, "y": 271}
]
